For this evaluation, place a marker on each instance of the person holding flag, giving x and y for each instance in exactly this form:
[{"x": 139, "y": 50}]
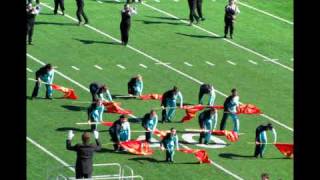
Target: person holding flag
[
  {"x": 230, "y": 108},
  {"x": 115, "y": 130},
  {"x": 100, "y": 92},
  {"x": 135, "y": 86},
  {"x": 45, "y": 74},
  {"x": 207, "y": 122},
  {"x": 169, "y": 103},
  {"x": 125, "y": 131},
  {"x": 85, "y": 153},
  {"x": 207, "y": 89},
  {"x": 169, "y": 143},
  {"x": 95, "y": 113},
  {"x": 149, "y": 123},
  {"x": 261, "y": 138}
]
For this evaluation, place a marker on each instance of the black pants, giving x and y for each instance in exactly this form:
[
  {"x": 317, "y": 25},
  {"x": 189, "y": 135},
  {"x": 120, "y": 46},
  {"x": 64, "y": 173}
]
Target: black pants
[
  {"x": 58, "y": 3},
  {"x": 80, "y": 174},
  {"x": 37, "y": 1},
  {"x": 148, "y": 136},
  {"x": 30, "y": 26},
  {"x": 224, "y": 121},
  {"x": 93, "y": 88},
  {"x": 201, "y": 138},
  {"x": 228, "y": 26},
  {"x": 115, "y": 140},
  {"x": 164, "y": 115},
  {"x": 131, "y": 1},
  {"x": 192, "y": 13},
  {"x": 80, "y": 13},
  {"x": 199, "y": 8},
  {"x": 124, "y": 28},
  {"x": 36, "y": 89},
  {"x": 257, "y": 150}
]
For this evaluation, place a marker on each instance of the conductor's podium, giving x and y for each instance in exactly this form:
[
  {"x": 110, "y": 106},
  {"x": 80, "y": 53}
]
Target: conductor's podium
[{"x": 106, "y": 171}]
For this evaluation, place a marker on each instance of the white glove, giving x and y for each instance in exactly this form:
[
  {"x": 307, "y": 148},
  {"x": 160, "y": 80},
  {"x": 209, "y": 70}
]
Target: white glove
[
  {"x": 70, "y": 135},
  {"x": 96, "y": 134}
]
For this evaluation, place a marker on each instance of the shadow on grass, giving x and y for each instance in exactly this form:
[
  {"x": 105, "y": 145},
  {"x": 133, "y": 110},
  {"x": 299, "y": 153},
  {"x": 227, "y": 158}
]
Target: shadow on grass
[
  {"x": 84, "y": 41},
  {"x": 63, "y": 129},
  {"x": 149, "y": 159},
  {"x": 200, "y": 36},
  {"x": 74, "y": 108},
  {"x": 197, "y": 143},
  {"x": 236, "y": 156},
  {"x": 55, "y": 23},
  {"x": 160, "y": 22},
  {"x": 167, "y": 18}
]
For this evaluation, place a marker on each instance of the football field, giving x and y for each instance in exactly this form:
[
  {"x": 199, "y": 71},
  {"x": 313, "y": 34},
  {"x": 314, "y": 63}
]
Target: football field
[{"x": 258, "y": 61}]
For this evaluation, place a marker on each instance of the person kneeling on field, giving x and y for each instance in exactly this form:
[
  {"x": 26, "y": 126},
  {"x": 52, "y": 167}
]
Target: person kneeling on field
[
  {"x": 169, "y": 143},
  {"x": 120, "y": 131},
  {"x": 135, "y": 86},
  {"x": 99, "y": 91}
]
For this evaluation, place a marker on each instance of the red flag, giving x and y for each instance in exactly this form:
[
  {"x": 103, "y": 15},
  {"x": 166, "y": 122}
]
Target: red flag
[
  {"x": 230, "y": 135},
  {"x": 201, "y": 154},
  {"x": 285, "y": 149},
  {"x": 137, "y": 147},
  {"x": 159, "y": 133},
  {"x": 113, "y": 107},
  {"x": 68, "y": 93},
  {"x": 151, "y": 96},
  {"x": 218, "y": 107},
  {"x": 109, "y": 124},
  {"x": 191, "y": 111},
  {"x": 248, "y": 109}
]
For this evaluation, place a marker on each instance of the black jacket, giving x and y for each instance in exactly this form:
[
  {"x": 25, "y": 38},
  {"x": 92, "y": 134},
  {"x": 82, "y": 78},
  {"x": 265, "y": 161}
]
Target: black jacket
[
  {"x": 30, "y": 17},
  {"x": 80, "y": 3},
  {"x": 259, "y": 129},
  {"x": 167, "y": 95},
  {"x": 84, "y": 155},
  {"x": 227, "y": 102},
  {"x": 40, "y": 72}
]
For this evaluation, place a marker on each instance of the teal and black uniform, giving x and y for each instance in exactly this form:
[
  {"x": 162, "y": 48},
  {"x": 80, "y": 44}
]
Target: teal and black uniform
[
  {"x": 46, "y": 76},
  {"x": 149, "y": 123},
  {"x": 169, "y": 101},
  {"x": 95, "y": 113},
  {"x": 170, "y": 143},
  {"x": 207, "y": 122},
  {"x": 261, "y": 137}
]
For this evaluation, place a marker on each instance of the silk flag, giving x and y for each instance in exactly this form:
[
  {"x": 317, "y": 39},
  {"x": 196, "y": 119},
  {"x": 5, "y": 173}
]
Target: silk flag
[
  {"x": 248, "y": 109},
  {"x": 151, "y": 96},
  {"x": 200, "y": 154},
  {"x": 113, "y": 107},
  {"x": 68, "y": 92},
  {"x": 285, "y": 148},
  {"x": 137, "y": 147}
]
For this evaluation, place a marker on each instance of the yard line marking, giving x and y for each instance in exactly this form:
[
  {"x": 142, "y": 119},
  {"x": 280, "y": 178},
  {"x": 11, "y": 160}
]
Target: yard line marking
[
  {"x": 50, "y": 154},
  {"x": 211, "y": 64},
  {"x": 218, "y": 166},
  {"x": 29, "y": 70},
  {"x": 144, "y": 66},
  {"x": 157, "y": 0},
  {"x": 166, "y": 65},
  {"x": 216, "y": 35},
  {"x": 230, "y": 62},
  {"x": 253, "y": 62},
  {"x": 99, "y": 1},
  {"x": 73, "y": 67},
  {"x": 120, "y": 66},
  {"x": 98, "y": 67},
  {"x": 161, "y": 63},
  {"x": 266, "y": 13},
  {"x": 176, "y": 0},
  {"x": 188, "y": 64},
  {"x": 86, "y": 89}
]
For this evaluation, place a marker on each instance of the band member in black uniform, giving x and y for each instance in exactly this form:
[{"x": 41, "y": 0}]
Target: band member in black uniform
[
  {"x": 80, "y": 12},
  {"x": 58, "y": 3},
  {"x": 199, "y": 9},
  {"x": 192, "y": 14},
  {"x": 230, "y": 15},
  {"x": 85, "y": 153},
  {"x": 125, "y": 24},
  {"x": 31, "y": 16}
]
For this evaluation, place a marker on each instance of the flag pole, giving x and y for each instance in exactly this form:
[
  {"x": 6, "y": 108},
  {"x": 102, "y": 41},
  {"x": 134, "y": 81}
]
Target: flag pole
[
  {"x": 259, "y": 143},
  {"x": 30, "y": 79}
]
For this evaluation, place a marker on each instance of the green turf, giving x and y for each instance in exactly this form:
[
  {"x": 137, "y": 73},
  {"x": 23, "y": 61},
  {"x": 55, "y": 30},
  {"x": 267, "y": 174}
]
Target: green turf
[{"x": 59, "y": 41}]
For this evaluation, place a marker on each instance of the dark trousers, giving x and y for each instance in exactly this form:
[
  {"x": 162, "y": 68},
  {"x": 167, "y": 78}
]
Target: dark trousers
[
  {"x": 164, "y": 115},
  {"x": 37, "y": 1},
  {"x": 202, "y": 92},
  {"x": 124, "y": 28},
  {"x": 192, "y": 13},
  {"x": 228, "y": 26},
  {"x": 199, "y": 8},
  {"x": 168, "y": 156},
  {"x": 201, "y": 138},
  {"x": 80, "y": 13},
  {"x": 131, "y": 1},
  {"x": 93, "y": 88},
  {"x": 223, "y": 121},
  {"x": 148, "y": 136},
  {"x": 258, "y": 150},
  {"x": 58, "y": 3},
  {"x": 80, "y": 174},
  {"x": 36, "y": 89},
  {"x": 30, "y": 31}
]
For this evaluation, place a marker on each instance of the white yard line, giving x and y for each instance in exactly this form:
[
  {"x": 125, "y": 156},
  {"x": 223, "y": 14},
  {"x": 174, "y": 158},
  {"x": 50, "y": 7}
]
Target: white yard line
[
  {"x": 29, "y": 70},
  {"x": 50, "y": 154},
  {"x": 98, "y": 67},
  {"x": 161, "y": 63},
  {"x": 144, "y": 66},
  {"x": 216, "y": 35},
  {"x": 167, "y": 66},
  {"x": 86, "y": 89},
  {"x": 253, "y": 62},
  {"x": 218, "y": 166},
  {"x": 230, "y": 62},
  {"x": 120, "y": 66},
  {"x": 99, "y": 1},
  {"x": 211, "y": 64},
  {"x": 188, "y": 64},
  {"x": 266, "y": 13},
  {"x": 157, "y": 0},
  {"x": 73, "y": 67}
]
